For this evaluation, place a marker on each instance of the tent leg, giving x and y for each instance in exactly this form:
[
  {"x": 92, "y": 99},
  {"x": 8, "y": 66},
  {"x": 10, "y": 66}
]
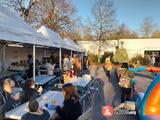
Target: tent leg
[
  {"x": 71, "y": 53},
  {"x": 4, "y": 58},
  {"x": 77, "y": 53},
  {"x": 34, "y": 64},
  {"x": 44, "y": 52},
  {"x": 60, "y": 58},
  {"x": 82, "y": 58}
]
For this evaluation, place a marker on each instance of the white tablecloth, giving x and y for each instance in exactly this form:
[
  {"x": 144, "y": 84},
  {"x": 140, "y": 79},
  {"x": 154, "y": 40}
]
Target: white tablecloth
[
  {"x": 43, "y": 79},
  {"x": 47, "y": 97},
  {"x": 80, "y": 82},
  {"x": 17, "y": 90}
]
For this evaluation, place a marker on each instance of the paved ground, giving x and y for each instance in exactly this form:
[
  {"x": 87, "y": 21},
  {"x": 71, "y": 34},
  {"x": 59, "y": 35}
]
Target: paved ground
[
  {"x": 143, "y": 82},
  {"x": 110, "y": 92}
]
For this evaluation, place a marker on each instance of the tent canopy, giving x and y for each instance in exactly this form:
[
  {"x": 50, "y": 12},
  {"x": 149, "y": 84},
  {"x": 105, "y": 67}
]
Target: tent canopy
[
  {"x": 73, "y": 44},
  {"x": 71, "y": 47},
  {"x": 56, "y": 38},
  {"x": 15, "y": 29},
  {"x": 51, "y": 35}
]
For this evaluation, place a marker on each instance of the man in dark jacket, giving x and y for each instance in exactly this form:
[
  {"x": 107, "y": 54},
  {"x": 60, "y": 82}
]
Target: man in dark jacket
[
  {"x": 35, "y": 113},
  {"x": 7, "y": 101},
  {"x": 52, "y": 57}
]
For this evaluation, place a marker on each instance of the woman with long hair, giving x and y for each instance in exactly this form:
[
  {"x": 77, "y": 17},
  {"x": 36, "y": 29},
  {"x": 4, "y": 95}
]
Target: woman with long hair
[{"x": 72, "y": 108}]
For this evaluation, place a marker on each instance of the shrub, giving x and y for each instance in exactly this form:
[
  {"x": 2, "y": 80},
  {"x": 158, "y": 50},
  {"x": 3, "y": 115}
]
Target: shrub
[
  {"x": 143, "y": 60},
  {"x": 93, "y": 58},
  {"x": 121, "y": 55}
]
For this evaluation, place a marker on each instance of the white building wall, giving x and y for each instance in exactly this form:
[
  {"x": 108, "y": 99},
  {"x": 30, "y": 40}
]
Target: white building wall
[
  {"x": 92, "y": 47},
  {"x": 133, "y": 46},
  {"x": 138, "y": 46}
]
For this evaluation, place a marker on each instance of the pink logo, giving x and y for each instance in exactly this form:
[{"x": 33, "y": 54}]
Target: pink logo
[{"x": 107, "y": 111}]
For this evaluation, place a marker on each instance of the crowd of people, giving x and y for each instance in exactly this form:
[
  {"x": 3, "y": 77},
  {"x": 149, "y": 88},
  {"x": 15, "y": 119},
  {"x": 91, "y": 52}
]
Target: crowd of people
[
  {"x": 71, "y": 66},
  {"x": 71, "y": 110},
  {"x": 10, "y": 98},
  {"x": 126, "y": 79},
  {"x": 155, "y": 60}
]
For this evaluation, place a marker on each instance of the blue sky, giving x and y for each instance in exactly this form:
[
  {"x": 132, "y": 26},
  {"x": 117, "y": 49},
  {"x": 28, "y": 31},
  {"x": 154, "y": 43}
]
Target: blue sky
[{"x": 130, "y": 12}]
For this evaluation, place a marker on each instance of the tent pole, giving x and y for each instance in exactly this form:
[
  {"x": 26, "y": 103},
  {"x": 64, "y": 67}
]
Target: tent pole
[
  {"x": 71, "y": 53},
  {"x": 44, "y": 52},
  {"x": 82, "y": 58},
  {"x": 77, "y": 53},
  {"x": 4, "y": 57},
  {"x": 60, "y": 58},
  {"x": 34, "y": 64}
]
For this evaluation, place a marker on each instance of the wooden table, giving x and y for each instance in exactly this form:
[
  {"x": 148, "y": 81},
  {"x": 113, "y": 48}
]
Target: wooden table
[
  {"x": 43, "y": 79},
  {"x": 47, "y": 97}
]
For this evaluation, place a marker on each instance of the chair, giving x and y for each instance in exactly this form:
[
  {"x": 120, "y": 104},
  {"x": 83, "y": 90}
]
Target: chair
[
  {"x": 58, "y": 87},
  {"x": 89, "y": 97},
  {"x": 1, "y": 91},
  {"x": 86, "y": 115}
]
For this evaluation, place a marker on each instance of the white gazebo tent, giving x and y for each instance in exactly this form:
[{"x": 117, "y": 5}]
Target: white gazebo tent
[
  {"x": 76, "y": 47},
  {"x": 55, "y": 38},
  {"x": 14, "y": 30},
  {"x": 73, "y": 48}
]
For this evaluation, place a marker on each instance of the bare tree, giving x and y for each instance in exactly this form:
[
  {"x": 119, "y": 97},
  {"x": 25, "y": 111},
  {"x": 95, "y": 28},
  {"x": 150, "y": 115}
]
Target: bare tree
[
  {"x": 148, "y": 27},
  {"x": 104, "y": 18},
  {"x": 86, "y": 33},
  {"x": 122, "y": 32},
  {"x": 20, "y": 6},
  {"x": 58, "y": 15},
  {"x": 156, "y": 34},
  {"x": 76, "y": 35}
]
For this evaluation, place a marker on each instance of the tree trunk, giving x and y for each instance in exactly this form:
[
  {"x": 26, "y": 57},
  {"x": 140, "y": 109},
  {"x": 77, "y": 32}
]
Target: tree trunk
[
  {"x": 99, "y": 52},
  {"x": 118, "y": 42}
]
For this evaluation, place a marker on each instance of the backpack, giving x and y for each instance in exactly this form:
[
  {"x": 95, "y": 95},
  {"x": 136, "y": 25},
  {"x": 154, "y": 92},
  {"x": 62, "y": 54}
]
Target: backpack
[{"x": 125, "y": 80}]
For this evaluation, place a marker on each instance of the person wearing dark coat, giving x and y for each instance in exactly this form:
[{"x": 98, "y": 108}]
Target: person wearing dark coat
[
  {"x": 53, "y": 58},
  {"x": 30, "y": 92},
  {"x": 35, "y": 112},
  {"x": 7, "y": 100},
  {"x": 72, "y": 108}
]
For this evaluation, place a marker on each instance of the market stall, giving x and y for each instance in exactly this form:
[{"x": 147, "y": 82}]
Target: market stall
[
  {"x": 55, "y": 38},
  {"x": 62, "y": 44},
  {"x": 17, "y": 34}
]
